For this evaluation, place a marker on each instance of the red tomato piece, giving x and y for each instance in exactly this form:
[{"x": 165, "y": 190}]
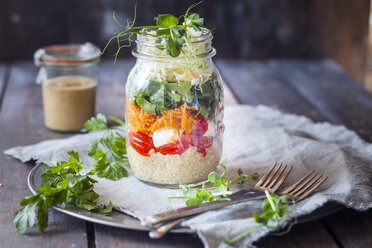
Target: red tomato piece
[
  {"x": 141, "y": 142},
  {"x": 202, "y": 151},
  {"x": 201, "y": 126},
  {"x": 173, "y": 148},
  {"x": 200, "y": 142},
  {"x": 206, "y": 142}
]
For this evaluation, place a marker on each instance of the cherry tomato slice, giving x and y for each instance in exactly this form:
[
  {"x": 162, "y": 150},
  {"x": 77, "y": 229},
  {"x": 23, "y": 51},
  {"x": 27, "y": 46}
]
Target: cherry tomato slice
[
  {"x": 206, "y": 142},
  {"x": 141, "y": 142},
  {"x": 200, "y": 142},
  {"x": 201, "y": 126},
  {"x": 173, "y": 148},
  {"x": 140, "y": 149},
  {"x": 142, "y": 139},
  {"x": 202, "y": 151}
]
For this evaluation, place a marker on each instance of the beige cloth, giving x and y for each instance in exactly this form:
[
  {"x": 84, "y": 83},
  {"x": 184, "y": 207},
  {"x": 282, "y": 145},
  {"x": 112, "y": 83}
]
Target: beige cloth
[{"x": 255, "y": 137}]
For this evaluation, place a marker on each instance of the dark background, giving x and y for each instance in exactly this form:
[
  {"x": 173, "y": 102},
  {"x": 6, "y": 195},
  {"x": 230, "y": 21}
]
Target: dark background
[{"x": 247, "y": 29}]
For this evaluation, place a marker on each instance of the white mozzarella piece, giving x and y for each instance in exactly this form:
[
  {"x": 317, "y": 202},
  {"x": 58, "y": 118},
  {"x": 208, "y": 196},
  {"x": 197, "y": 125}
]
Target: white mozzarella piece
[
  {"x": 164, "y": 136},
  {"x": 211, "y": 129}
]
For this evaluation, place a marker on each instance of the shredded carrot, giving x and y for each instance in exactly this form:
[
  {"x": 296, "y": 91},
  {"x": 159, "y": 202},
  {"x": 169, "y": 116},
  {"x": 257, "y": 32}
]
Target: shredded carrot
[
  {"x": 139, "y": 120},
  {"x": 180, "y": 119},
  {"x": 187, "y": 74},
  {"x": 193, "y": 74}
]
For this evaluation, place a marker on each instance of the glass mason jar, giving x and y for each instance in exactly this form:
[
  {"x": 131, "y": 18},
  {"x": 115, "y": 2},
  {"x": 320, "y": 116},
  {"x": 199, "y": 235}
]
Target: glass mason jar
[
  {"x": 68, "y": 74},
  {"x": 174, "y": 112}
]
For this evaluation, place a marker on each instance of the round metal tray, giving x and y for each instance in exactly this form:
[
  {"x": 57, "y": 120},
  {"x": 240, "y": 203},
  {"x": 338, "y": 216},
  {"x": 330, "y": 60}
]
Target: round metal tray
[
  {"x": 114, "y": 219},
  {"x": 121, "y": 220}
]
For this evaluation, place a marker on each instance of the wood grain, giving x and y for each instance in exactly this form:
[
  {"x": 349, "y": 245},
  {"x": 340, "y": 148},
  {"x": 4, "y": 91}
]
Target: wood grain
[
  {"x": 310, "y": 234},
  {"x": 332, "y": 92},
  {"x": 337, "y": 97},
  {"x": 121, "y": 238},
  {"x": 257, "y": 83},
  {"x": 22, "y": 119},
  {"x": 286, "y": 84},
  {"x": 3, "y": 80},
  {"x": 340, "y": 30},
  {"x": 255, "y": 29},
  {"x": 351, "y": 228}
]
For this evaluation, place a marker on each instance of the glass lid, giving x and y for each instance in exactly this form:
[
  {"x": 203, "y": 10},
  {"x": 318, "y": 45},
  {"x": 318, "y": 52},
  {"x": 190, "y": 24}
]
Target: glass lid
[{"x": 67, "y": 54}]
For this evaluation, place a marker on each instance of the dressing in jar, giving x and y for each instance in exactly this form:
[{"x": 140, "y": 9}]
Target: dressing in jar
[{"x": 68, "y": 74}]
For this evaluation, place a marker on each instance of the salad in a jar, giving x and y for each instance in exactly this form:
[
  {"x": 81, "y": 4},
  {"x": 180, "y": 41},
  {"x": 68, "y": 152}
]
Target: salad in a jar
[{"x": 174, "y": 102}]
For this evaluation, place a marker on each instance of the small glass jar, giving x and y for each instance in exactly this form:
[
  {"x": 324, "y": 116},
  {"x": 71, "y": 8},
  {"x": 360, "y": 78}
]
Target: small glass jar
[
  {"x": 68, "y": 74},
  {"x": 174, "y": 112}
]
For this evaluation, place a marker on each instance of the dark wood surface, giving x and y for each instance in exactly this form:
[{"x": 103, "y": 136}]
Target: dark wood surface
[
  {"x": 318, "y": 89},
  {"x": 255, "y": 29}
]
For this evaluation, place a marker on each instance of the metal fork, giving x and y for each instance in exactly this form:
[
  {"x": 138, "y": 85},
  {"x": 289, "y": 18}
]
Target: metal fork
[
  {"x": 305, "y": 186},
  {"x": 271, "y": 181},
  {"x": 301, "y": 189}
]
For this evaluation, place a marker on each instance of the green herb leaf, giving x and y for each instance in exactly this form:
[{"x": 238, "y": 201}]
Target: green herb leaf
[
  {"x": 62, "y": 184},
  {"x": 96, "y": 123},
  {"x": 26, "y": 216},
  {"x": 219, "y": 191},
  {"x": 173, "y": 48},
  {"x": 110, "y": 170},
  {"x": 166, "y": 25},
  {"x": 195, "y": 19},
  {"x": 274, "y": 207},
  {"x": 109, "y": 153},
  {"x": 117, "y": 120},
  {"x": 163, "y": 31},
  {"x": 51, "y": 179},
  {"x": 166, "y": 20},
  {"x": 104, "y": 209}
]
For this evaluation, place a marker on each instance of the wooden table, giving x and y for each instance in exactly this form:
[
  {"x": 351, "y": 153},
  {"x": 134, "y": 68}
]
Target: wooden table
[{"x": 317, "y": 89}]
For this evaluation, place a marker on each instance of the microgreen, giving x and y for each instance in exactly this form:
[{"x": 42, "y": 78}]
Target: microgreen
[
  {"x": 63, "y": 185},
  {"x": 274, "y": 207},
  {"x": 109, "y": 152},
  {"x": 219, "y": 191},
  {"x": 167, "y": 27}
]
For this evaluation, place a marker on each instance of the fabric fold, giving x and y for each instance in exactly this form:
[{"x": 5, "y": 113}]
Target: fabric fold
[{"x": 255, "y": 137}]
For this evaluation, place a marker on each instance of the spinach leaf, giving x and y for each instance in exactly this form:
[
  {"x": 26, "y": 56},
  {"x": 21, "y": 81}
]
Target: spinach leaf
[
  {"x": 208, "y": 96},
  {"x": 158, "y": 96}
]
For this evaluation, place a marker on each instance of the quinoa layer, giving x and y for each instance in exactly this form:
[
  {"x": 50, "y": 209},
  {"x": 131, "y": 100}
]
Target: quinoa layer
[{"x": 190, "y": 167}]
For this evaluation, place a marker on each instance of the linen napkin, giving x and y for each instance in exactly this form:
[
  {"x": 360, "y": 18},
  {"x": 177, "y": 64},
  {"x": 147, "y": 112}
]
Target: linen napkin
[{"x": 254, "y": 138}]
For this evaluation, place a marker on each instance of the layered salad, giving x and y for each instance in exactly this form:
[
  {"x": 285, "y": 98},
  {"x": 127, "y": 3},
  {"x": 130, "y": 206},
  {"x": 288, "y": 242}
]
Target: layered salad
[{"x": 174, "y": 116}]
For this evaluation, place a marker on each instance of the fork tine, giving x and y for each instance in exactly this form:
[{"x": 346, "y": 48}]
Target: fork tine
[
  {"x": 272, "y": 175},
  {"x": 266, "y": 175},
  {"x": 286, "y": 191},
  {"x": 308, "y": 185},
  {"x": 312, "y": 189},
  {"x": 277, "y": 177},
  {"x": 304, "y": 184},
  {"x": 282, "y": 179}
]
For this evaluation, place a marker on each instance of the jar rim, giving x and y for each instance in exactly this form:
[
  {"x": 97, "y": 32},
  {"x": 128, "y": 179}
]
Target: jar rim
[
  {"x": 67, "y": 54},
  {"x": 148, "y": 38},
  {"x": 148, "y": 42}
]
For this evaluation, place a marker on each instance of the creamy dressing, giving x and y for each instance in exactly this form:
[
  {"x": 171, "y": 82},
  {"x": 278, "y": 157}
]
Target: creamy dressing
[{"x": 68, "y": 102}]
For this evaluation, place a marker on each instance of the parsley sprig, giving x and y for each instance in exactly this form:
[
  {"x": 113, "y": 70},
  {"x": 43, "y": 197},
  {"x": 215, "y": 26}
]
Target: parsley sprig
[
  {"x": 274, "y": 207},
  {"x": 110, "y": 151},
  {"x": 167, "y": 26},
  {"x": 63, "y": 185},
  {"x": 219, "y": 191}
]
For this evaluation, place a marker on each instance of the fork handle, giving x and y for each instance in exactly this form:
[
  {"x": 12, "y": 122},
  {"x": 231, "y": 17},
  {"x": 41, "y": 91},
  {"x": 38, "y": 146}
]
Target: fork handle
[{"x": 193, "y": 210}]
